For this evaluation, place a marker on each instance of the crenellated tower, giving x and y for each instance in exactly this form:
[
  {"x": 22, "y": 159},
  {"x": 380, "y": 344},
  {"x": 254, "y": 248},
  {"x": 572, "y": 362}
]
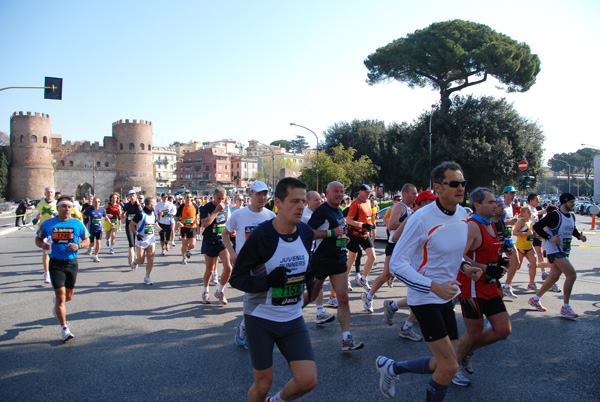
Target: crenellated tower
[
  {"x": 134, "y": 162},
  {"x": 31, "y": 167}
]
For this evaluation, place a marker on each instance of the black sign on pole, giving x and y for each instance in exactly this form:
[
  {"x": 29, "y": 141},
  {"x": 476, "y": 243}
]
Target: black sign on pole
[{"x": 53, "y": 88}]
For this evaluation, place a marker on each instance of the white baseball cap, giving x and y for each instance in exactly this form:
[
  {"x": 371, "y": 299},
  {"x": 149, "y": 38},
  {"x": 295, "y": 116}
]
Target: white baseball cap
[{"x": 258, "y": 186}]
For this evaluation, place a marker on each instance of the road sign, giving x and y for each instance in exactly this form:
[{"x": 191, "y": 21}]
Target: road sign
[{"x": 523, "y": 165}]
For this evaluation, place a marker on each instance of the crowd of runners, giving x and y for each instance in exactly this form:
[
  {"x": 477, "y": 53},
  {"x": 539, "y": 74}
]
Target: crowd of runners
[{"x": 281, "y": 248}]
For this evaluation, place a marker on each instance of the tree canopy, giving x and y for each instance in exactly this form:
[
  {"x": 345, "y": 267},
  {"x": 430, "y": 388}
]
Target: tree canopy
[
  {"x": 282, "y": 143},
  {"x": 581, "y": 161},
  {"x": 453, "y": 55},
  {"x": 299, "y": 144}
]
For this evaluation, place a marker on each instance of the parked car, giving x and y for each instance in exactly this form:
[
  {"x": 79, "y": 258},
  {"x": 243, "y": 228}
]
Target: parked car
[{"x": 381, "y": 232}]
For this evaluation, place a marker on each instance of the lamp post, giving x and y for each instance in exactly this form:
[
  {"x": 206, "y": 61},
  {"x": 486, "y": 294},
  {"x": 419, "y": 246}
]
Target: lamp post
[
  {"x": 430, "y": 135},
  {"x": 569, "y": 165},
  {"x": 317, "y": 170}
]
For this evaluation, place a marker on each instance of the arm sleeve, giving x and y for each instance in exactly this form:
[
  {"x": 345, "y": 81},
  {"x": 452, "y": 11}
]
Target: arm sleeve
[
  {"x": 251, "y": 256},
  {"x": 410, "y": 243},
  {"x": 316, "y": 219},
  {"x": 550, "y": 220},
  {"x": 179, "y": 212},
  {"x": 137, "y": 217}
]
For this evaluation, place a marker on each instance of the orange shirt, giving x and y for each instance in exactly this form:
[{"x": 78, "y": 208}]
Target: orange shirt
[
  {"x": 360, "y": 211},
  {"x": 189, "y": 215}
]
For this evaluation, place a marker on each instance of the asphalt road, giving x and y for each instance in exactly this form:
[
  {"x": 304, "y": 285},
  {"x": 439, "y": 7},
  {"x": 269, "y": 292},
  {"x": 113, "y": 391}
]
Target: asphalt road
[{"x": 139, "y": 343}]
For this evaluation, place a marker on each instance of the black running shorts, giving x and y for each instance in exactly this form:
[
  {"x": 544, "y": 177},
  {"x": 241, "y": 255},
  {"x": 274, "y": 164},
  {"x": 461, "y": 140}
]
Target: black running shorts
[
  {"x": 436, "y": 321},
  {"x": 63, "y": 273}
]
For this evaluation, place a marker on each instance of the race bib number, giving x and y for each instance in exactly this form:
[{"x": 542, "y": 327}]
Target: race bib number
[
  {"x": 188, "y": 221},
  {"x": 113, "y": 222},
  {"x": 95, "y": 222},
  {"x": 165, "y": 213},
  {"x": 566, "y": 245},
  {"x": 218, "y": 229},
  {"x": 340, "y": 242},
  {"x": 149, "y": 229},
  {"x": 249, "y": 230},
  {"x": 291, "y": 293},
  {"x": 530, "y": 238},
  {"x": 63, "y": 235},
  {"x": 508, "y": 232}
]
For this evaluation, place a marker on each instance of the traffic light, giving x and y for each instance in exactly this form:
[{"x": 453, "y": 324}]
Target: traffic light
[
  {"x": 522, "y": 182},
  {"x": 529, "y": 181}
]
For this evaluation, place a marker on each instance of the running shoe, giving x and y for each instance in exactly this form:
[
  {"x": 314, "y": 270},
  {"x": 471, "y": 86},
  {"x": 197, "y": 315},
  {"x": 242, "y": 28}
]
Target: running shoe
[
  {"x": 172, "y": 244},
  {"x": 111, "y": 251},
  {"x": 163, "y": 252},
  {"x": 537, "y": 304},
  {"x": 410, "y": 334},
  {"x": 47, "y": 277},
  {"x": 390, "y": 282},
  {"x": 66, "y": 334},
  {"x": 367, "y": 303},
  {"x": 188, "y": 254},
  {"x": 240, "y": 335},
  {"x": 364, "y": 282},
  {"x": 332, "y": 302},
  {"x": 133, "y": 265},
  {"x": 467, "y": 364},
  {"x": 387, "y": 377},
  {"x": 461, "y": 379},
  {"x": 167, "y": 246},
  {"x": 184, "y": 261},
  {"x": 107, "y": 243},
  {"x": 357, "y": 279},
  {"x": 205, "y": 298},
  {"x": 508, "y": 292},
  {"x": 532, "y": 287},
  {"x": 388, "y": 312},
  {"x": 213, "y": 280},
  {"x": 544, "y": 275},
  {"x": 555, "y": 288},
  {"x": 221, "y": 296},
  {"x": 95, "y": 258},
  {"x": 147, "y": 280},
  {"x": 90, "y": 251},
  {"x": 350, "y": 286},
  {"x": 323, "y": 318},
  {"x": 351, "y": 344},
  {"x": 567, "y": 312}
]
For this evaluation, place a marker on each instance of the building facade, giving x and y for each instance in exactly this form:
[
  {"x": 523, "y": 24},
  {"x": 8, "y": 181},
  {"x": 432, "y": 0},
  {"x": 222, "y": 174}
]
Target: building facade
[{"x": 165, "y": 160}]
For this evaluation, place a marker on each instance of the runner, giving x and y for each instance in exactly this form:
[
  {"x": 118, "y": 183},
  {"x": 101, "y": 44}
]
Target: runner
[
  {"x": 143, "y": 226},
  {"x": 172, "y": 220},
  {"x": 244, "y": 221},
  {"x": 427, "y": 259},
  {"x": 96, "y": 216},
  {"x": 213, "y": 217},
  {"x": 537, "y": 212},
  {"x": 273, "y": 264},
  {"x": 46, "y": 210},
  {"x": 510, "y": 219},
  {"x": 313, "y": 200},
  {"x": 62, "y": 237},
  {"x": 523, "y": 230},
  {"x": 111, "y": 225},
  {"x": 561, "y": 229},
  {"x": 481, "y": 297},
  {"x": 330, "y": 257},
  {"x": 187, "y": 221},
  {"x": 400, "y": 211},
  {"x": 130, "y": 211},
  {"x": 165, "y": 210},
  {"x": 359, "y": 220}
]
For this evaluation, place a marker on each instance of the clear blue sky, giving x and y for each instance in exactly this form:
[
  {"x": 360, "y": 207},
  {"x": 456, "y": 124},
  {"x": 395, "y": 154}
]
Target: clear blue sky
[{"x": 203, "y": 70}]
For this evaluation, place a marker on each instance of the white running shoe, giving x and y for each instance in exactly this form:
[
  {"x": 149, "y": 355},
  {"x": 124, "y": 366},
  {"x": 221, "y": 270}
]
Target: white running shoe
[
  {"x": 410, "y": 334},
  {"x": 508, "y": 292},
  {"x": 544, "y": 275},
  {"x": 111, "y": 251},
  {"x": 467, "y": 363},
  {"x": 387, "y": 377},
  {"x": 66, "y": 334},
  {"x": 133, "y": 265},
  {"x": 364, "y": 282},
  {"x": 367, "y": 303},
  {"x": 221, "y": 296},
  {"x": 555, "y": 288},
  {"x": 184, "y": 261},
  {"x": 163, "y": 252},
  {"x": 388, "y": 312},
  {"x": 323, "y": 318},
  {"x": 46, "y": 277},
  {"x": 349, "y": 286},
  {"x": 332, "y": 302},
  {"x": 147, "y": 280},
  {"x": 95, "y": 258},
  {"x": 461, "y": 379}
]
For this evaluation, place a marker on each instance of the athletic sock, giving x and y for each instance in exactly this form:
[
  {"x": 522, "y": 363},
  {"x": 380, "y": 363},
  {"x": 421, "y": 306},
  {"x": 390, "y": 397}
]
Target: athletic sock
[
  {"x": 536, "y": 298},
  {"x": 436, "y": 392},
  {"x": 220, "y": 288},
  {"x": 320, "y": 310},
  {"x": 368, "y": 296},
  {"x": 345, "y": 335},
  {"x": 206, "y": 289},
  {"x": 407, "y": 325},
  {"x": 276, "y": 398},
  {"x": 418, "y": 366},
  {"x": 395, "y": 305}
]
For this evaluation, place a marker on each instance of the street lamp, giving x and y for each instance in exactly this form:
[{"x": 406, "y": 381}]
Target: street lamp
[
  {"x": 317, "y": 170},
  {"x": 430, "y": 135},
  {"x": 569, "y": 177}
]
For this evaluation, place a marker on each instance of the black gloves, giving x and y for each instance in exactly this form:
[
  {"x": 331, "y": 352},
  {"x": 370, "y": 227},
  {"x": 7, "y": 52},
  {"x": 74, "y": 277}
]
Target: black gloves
[
  {"x": 278, "y": 277},
  {"x": 503, "y": 261},
  {"x": 494, "y": 270},
  {"x": 367, "y": 226}
]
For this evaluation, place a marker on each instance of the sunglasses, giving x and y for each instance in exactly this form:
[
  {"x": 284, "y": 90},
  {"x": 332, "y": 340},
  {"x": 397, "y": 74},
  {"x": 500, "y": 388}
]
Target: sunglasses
[
  {"x": 239, "y": 199},
  {"x": 455, "y": 183}
]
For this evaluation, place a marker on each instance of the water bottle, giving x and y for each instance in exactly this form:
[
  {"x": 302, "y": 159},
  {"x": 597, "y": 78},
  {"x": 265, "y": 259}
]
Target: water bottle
[{"x": 49, "y": 241}]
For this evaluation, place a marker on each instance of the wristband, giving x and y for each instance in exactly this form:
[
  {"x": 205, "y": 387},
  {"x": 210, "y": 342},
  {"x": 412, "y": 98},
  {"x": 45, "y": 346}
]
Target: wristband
[
  {"x": 360, "y": 224},
  {"x": 463, "y": 264},
  {"x": 330, "y": 233}
]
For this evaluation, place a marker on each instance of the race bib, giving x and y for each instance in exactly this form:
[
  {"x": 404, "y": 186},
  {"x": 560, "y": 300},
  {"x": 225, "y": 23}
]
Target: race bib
[
  {"x": 340, "y": 242},
  {"x": 566, "y": 245},
  {"x": 95, "y": 222},
  {"x": 249, "y": 230},
  {"x": 508, "y": 231},
  {"x": 63, "y": 235},
  {"x": 188, "y": 221},
  {"x": 218, "y": 229},
  {"x": 113, "y": 222},
  {"x": 291, "y": 293},
  {"x": 530, "y": 238},
  {"x": 149, "y": 229},
  {"x": 165, "y": 213}
]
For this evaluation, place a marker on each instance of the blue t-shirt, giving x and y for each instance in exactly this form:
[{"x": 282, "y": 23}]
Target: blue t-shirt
[
  {"x": 62, "y": 233},
  {"x": 95, "y": 221}
]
